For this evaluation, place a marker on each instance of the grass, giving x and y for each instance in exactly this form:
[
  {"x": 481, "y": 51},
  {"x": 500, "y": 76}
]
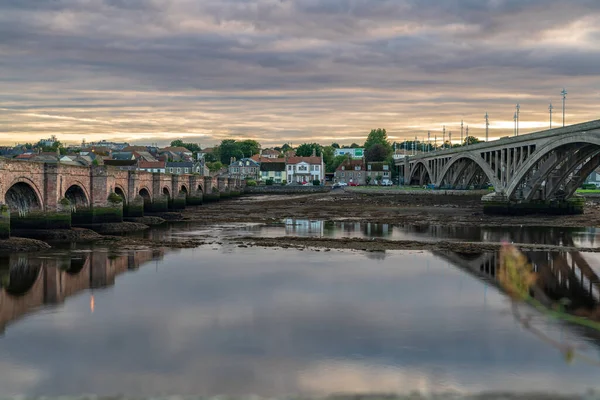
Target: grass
[{"x": 588, "y": 191}]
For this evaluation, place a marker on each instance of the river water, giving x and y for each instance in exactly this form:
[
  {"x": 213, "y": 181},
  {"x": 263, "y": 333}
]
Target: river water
[{"x": 224, "y": 319}]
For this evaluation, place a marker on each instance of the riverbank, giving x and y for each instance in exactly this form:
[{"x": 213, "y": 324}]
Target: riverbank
[{"x": 416, "y": 209}]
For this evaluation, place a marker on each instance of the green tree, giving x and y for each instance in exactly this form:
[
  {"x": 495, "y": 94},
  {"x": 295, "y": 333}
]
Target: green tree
[
  {"x": 328, "y": 156},
  {"x": 377, "y": 152},
  {"x": 285, "y": 147},
  {"x": 335, "y": 145},
  {"x": 377, "y": 136},
  {"x": 214, "y": 166},
  {"x": 306, "y": 149},
  {"x": 228, "y": 149},
  {"x": 193, "y": 147},
  {"x": 471, "y": 140},
  {"x": 337, "y": 161},
  {"x": 249, "y": 147},
  {"x": 355, "y": 146}
]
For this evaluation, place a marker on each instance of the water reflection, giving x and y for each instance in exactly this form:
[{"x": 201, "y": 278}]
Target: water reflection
[
  {"x": 30, "y": 281},
  {"x": 273, "y": 322}
]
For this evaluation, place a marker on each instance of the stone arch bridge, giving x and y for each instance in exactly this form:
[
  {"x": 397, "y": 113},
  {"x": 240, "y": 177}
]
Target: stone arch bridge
[
  {"x": 536, "y": 171},
  {"x": 54, "y": 195}
]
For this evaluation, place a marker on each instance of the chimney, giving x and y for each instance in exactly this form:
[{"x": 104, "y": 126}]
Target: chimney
[{"x": 314, "y": 153}]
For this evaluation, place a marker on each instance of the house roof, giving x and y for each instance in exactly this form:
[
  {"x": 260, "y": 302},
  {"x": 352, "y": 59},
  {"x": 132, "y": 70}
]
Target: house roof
[
  {"x": 151, "y": 164},
  {"x": 242, "y": 163},
  {"x": 135, "y": 148},
  {"x": 308, "y": 160},
  {"x": 184, "y": 164},
  {"x": 175, "y": 149},
  {"x": 120, "y": 155},
  {"x": 350, "y": 164},
  {"x": 273, "y": 166}
]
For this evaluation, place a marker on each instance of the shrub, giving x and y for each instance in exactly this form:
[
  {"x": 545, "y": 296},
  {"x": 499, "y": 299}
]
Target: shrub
[
  {"x": 250, "y": 182},
  {"x": 316, "y": 182},
  {"x": 283, "y": 182},
  {"x": 368, "y": 180},
  {"x": 589, "y": 186},
  {"x": 115, "y": 198},
  {"x": 269, "y": 182}
]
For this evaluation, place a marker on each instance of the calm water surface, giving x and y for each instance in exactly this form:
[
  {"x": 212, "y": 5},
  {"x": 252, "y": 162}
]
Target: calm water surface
[{"x": 229, "y": 320}]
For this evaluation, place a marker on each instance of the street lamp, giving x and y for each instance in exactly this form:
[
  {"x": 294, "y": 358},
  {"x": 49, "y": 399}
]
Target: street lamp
[
  {"x": 450, "y": 139},
  {"x": 461, "y": 131},
  {"x": 467, "y": 138},
  {"x": 564, "y": 97},
  {"x": 487, "y": 126},
  {"x": 550, "y": 109},
  {"x": 428, "y": 141},
  {"x": 518, "y": 109},
  {"x": 515, "y": 119}
]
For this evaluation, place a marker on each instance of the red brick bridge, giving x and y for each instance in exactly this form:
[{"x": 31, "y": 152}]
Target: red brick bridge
[{"x": 99, "y": 193}]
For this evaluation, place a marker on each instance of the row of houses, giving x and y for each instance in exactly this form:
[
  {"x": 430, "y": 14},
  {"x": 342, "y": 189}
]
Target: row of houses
[{"x": 290, "y": 169}]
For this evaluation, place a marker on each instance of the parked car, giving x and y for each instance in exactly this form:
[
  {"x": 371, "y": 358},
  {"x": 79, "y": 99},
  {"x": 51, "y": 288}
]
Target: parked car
[
  {"x": 386, "y": 182},
  {"x": 342, "y": 184},
  {"x": 353, "y": 184}
]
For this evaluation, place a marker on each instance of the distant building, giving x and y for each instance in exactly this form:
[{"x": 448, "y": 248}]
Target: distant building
[
  {"x": 305, "y": 169},
  {"x": 48, "y": 142},
  {"x": 270, "y": 153},
  {"x": 594, "y": 178},
  {"x": 106, "y": 145},
  {"x": 351, "y": 171},
  {"x": 244, "y": 168},
  {"x": 354, "y": 153},
  {"x": 273, "y": 168},
  {"x": 185, "y": 167},
  {"x": 151, "y": 166}
]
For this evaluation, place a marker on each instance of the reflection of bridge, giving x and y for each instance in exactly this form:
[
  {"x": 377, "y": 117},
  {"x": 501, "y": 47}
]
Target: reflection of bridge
[
  {"x": 44, "y": 194},
  {"x": 548, "y": 165},
  {"x": 29, "y": 283},
  {"x": 560, "y": 275}
]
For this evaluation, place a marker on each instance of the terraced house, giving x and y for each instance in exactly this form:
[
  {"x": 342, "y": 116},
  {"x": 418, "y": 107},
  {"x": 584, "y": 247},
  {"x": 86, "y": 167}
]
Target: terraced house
[
  {"x": 273, "y": 168},
  {"x": 244, "y": 168},
  {"x": 305, "y": 169}
]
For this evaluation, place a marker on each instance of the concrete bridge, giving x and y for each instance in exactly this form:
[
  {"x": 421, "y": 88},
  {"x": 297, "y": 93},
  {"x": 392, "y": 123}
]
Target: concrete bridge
[
  {"x": 54, "y": 195},
  {"x": 532, "y": 172}
]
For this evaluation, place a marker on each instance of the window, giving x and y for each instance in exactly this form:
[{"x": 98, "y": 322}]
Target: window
[
  {"x": 278, "y": 174},
  {"x": 357, "y": 168},
  {"x": 386, "y": 173},
  {"x": 265, "y": 173},
  {"x": 178, "y": 170},
  {"x": 386, "y": 167},
  {"x": 343, "y": 168},
  {"x": 359, "y": 174},
  {"x": 342, "y": 174},
  {"x": 247, "y": 163},
  {"x": 369, "y": 167},
  {"x": 171, "y": 169},
  {"x": 315, "y": 167},
  {"x": 187, "y": 170}
]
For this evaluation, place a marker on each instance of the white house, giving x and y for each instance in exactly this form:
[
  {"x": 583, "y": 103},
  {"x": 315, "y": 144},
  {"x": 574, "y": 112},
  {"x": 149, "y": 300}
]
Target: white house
[
  {"x": 354, "y": 153},
  {"x": 305, "y": 169}
]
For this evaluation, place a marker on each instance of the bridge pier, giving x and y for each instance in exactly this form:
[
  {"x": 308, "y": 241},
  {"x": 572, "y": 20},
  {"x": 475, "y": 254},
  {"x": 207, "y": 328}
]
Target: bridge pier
[
  {"x": 223, "y": 187},
  {"x": 499, "y": 204},
  {"x": 134, "y": 207},
  {"x": 211, "y": 192},
  {"x": 194, "y": 197},
  {"x": 4, "y": 221},
  {"x": 178, "y": 201}
]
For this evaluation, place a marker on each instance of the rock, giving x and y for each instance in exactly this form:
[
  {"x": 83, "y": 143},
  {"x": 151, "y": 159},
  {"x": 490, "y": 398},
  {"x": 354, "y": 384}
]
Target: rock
[{"x": 23, "y": 244}]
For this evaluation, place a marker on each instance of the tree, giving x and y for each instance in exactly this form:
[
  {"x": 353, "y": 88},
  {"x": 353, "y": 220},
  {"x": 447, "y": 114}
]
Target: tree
[
  {"x": 368, "y": 180},
  {"x": 328, "y": 156},
  {"x": 335, "y": 145},
  {"x": 214, "y": 166},
  {"x": 377, "y": 152},
  {"x": 229, "y": 149},
  {"x": 355, "y": 146},
  {"x": 286, "y": 147},
  {"x": 337, "y": 161},
  {"x": 193, "y": 147},
  {"x": 306, "y": 149},
  {"x": 471, "y": 140},
  {"x": 249, "y": 147},
  {"x": 377, "y": 136}
]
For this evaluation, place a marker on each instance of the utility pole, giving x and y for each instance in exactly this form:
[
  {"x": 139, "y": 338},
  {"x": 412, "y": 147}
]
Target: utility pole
[
  {"x": 550, "y": 109},
  {"x": 461, "y": 131},
  {"x": 467, "y": 138},
  {"x": 450, "y": 139},
  {"x": 428, "y": 141},
  {"x": 515, "y": 128},
  {"x": 435, "y": 142},
  {"x": 444, "y": 137},
  {"x": 517, "y": 114},
  {"x": 564, "y": 97},
  {"x": 487, "y": 126}
]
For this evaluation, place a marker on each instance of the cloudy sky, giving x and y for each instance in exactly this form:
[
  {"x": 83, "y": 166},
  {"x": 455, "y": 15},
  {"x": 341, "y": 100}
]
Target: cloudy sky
[{"x": 291, "y": 70}]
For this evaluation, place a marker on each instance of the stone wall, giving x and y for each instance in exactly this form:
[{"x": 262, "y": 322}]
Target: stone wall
[{"x": 288, "y": 189}]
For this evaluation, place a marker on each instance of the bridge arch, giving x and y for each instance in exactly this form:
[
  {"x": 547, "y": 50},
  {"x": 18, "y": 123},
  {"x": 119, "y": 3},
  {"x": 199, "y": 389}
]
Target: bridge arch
[
  {"x": 184, "y": 189},
  {"x": 478, "y": 161},
  {"x": 420, "y": 174},
  {"x": 145, "y": 194},
  {"x": 166, "y": 191},
  {"x": 119, "y": 191},
  {"x": 579, "y": 153},
  {"x": 77, "y": 196},
  {"x": 23, "y": 196},
  {"x": 200, "y": 188}
]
